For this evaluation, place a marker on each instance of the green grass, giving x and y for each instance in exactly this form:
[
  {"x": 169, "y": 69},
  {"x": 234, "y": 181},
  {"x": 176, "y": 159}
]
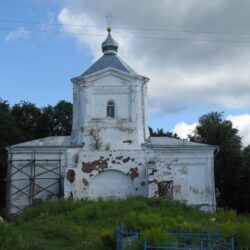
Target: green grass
[{"x": 90, "y": 224}]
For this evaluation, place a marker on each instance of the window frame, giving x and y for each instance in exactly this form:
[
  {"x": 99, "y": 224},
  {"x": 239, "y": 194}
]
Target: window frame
[{"x": 110, "y": 109}]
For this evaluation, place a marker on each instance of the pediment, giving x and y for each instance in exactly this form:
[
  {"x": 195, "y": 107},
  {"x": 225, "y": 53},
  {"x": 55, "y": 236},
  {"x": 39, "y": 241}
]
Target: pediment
[
  {"x": 110, "y": 78},
  {"x": 108, "y": 74}
]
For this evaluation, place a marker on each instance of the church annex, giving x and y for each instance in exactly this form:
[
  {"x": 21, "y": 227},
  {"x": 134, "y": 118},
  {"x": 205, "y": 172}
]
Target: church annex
[{"x": 110, "y": 153}]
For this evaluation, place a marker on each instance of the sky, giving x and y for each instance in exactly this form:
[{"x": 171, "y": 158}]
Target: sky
[{"x": 196, "y": 54}]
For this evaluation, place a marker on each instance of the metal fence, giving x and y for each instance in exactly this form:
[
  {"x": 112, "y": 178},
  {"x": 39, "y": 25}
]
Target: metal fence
[{"x": 182, "y": 241}]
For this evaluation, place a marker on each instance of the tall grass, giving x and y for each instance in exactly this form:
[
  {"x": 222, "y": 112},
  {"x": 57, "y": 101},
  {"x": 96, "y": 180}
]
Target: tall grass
[{"x": 89, "y": 224}]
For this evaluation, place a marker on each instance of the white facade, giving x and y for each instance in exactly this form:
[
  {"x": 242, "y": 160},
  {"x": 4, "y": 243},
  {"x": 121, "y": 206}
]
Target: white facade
[
  {"x": 128, "y": 128},
  {"x": 110, "y": 153}
]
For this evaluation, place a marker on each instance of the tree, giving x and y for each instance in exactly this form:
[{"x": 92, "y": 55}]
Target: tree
[
  {"x": 6, "y": 137},
  {"x": 215, "y": 130},
  {"x": 244, "y": 183},
  {"x": 26, "y": 116},
  {"x": 161, "y": 133},
  {"x": 23, "y": 122},
  {"x": 63, "y": 118}
]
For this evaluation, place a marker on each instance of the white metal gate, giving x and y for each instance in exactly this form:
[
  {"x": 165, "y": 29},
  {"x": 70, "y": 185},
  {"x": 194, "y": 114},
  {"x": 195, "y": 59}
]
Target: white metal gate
[{"x": 30, "y": 181}]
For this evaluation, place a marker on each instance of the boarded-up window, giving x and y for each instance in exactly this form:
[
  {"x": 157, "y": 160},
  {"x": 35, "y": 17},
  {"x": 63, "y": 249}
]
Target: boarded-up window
[{"x": 165, "y": 189}]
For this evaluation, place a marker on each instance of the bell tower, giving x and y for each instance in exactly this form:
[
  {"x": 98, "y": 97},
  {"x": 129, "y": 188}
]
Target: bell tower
[{"x": 109, "y": 104}]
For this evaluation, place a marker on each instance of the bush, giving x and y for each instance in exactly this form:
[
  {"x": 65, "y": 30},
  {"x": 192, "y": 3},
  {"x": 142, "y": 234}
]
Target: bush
[
  {"x": 108, "y": 239},
  {"x": 157, "y": 235}
]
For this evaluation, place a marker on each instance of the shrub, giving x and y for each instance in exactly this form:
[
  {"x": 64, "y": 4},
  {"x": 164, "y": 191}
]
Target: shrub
[
  {"x": 107, "y": 237},
  {"x": 157, "y": 235}
]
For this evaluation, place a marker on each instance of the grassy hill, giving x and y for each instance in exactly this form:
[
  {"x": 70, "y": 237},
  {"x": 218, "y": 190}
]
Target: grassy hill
[{"x": 90, "y": 224}]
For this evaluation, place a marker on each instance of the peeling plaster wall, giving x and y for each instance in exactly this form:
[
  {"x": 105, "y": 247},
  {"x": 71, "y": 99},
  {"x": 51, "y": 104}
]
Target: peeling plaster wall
[
  {"x": 191, "y": 172},
  {"x": 119, "y": 167},
  {"x": 128, "y": 129}
]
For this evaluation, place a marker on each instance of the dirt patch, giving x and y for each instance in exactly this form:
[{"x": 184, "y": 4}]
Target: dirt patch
[
  {"x": 177, "y": 188},
  {"x": 195, "y": 190},
  {"x": 119, "y": 157},
  {"x": 167, "y": 173},
  {"x": 71, "y": 175},
  {"x": 184, "y": 170}
]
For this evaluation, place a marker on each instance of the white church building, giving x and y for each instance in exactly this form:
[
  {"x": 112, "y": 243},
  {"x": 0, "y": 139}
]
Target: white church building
[{"x": 110, "y": 153}]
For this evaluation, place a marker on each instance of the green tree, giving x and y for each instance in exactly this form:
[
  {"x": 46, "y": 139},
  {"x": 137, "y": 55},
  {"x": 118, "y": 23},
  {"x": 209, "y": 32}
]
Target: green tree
[
  {"x": 215, "y": 130},
  {"x": 62, "y": 118},
  {"x": 45, "y": 126},
  {"x": 6, "y": 137},
  {"x": 26, "y": 116},
  {"x": 23, "y": 122},
  {"x": 244, "y": 183},
  {"x": 159, "y": 132}
]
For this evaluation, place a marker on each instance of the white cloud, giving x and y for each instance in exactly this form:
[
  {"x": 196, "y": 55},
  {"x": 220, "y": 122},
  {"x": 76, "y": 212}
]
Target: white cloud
[
  {"x": 183, "y": 129},
  {"x": 19, "y": 33},
  {"x": 242, "y": 123},
  {"x": 181, "y": 72}
]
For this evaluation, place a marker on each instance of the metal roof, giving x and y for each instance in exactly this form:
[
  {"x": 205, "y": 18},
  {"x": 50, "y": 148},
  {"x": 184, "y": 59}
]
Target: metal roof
[
  {"x": 52, "y": 141},
  {"x": 109, "y": 60},
  {"x": 169, "y": 141}
]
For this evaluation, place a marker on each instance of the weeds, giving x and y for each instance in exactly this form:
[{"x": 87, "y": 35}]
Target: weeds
[{"x": 89, "y": 224}]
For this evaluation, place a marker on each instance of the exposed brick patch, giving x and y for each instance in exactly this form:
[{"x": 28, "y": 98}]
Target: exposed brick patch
[
  {"x": 85, "y": 182},
  {"x": 125, "y": 160},
  {"x": 153, "y": 181},
  {"x": 133, "y": 173},
  {"x": 71, "y": 175},
  {"x": 153, "y": 171},
  {"x": 88, "y": 167},
  {"x": 128, "y": 141}
]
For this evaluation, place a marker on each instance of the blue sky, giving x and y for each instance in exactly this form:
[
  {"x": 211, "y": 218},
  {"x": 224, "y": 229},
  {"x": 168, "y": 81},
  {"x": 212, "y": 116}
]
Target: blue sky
[{"x": 188, "y": 78}]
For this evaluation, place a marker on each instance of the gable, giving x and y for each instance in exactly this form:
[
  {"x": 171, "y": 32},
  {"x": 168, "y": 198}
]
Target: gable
[{"x": 110, "y": 79}]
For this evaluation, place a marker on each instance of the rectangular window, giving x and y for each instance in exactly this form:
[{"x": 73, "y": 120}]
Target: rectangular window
[
  {"x": 111, "y": 109},
  {"x": 165, "y": 189}
]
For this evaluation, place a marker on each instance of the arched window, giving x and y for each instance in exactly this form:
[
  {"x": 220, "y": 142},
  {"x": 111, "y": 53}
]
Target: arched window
[{"x": 110, "y": 109}]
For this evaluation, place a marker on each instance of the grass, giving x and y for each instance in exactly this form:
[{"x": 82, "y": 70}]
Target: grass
[{"x": 90, "y": 224}]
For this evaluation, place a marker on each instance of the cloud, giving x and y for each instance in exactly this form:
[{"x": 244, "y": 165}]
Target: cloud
[
  {"x": 170, "y": 42},
  {"x": 186, "y": 71},
  {"x": 183, "y": 129},
  {"x": 242, "y": 123},
  {"x": 19, "y": 33}
]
